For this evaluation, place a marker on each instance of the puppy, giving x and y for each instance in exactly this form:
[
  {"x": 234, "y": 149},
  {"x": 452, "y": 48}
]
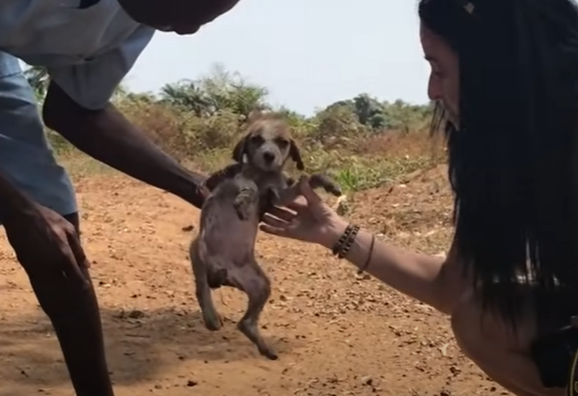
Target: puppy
[{"x": 223, "y": 252}]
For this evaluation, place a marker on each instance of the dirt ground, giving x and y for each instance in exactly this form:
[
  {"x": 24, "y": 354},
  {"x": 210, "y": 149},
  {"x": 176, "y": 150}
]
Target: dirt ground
[{"x": 336, "y": 333}]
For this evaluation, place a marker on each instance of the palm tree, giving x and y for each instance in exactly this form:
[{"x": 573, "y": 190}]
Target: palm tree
[
  {"x": 186, "y": 94},
  {"x": 229, "y": 91},
  {"x": 245, "y": 98}
]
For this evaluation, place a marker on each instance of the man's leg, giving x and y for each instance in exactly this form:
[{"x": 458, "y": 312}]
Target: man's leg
[{"x": 26, "y": 158}]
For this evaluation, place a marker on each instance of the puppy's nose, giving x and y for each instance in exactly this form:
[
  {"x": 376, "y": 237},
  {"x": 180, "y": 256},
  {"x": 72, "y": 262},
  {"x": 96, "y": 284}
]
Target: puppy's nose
[{"x": 268, "y": 157}]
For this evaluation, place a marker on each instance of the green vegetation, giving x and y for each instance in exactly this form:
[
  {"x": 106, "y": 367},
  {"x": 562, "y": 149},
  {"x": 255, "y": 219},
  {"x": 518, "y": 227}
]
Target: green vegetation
[{"x": 361, "y": 142}]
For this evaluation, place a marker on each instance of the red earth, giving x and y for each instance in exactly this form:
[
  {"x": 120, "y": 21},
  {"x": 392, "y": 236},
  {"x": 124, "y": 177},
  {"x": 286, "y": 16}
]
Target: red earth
[{"x": 336, "y": 333}]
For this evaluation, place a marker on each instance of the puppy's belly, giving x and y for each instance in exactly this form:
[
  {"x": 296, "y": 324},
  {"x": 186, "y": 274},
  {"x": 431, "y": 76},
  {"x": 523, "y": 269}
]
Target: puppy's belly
[{"x": 231, "y": 240}]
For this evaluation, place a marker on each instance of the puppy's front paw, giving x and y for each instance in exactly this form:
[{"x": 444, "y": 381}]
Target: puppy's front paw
[
  {"x": 332, "y": 188},
  {"x": 318, "y": 180},
  {"x": 242, "y": 209}
]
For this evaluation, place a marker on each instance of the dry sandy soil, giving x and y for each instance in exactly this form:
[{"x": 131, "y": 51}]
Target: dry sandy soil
[{"x": 336, "y": 333}]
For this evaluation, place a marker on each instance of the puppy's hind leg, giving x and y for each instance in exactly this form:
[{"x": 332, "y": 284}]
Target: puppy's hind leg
[
  {"x": 254, "y": 282},
  {"x": 211, "y": 317}
]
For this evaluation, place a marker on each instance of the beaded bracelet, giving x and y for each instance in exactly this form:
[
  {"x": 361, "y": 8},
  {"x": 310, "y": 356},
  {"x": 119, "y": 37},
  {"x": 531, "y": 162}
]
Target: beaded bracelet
[
  {"x": 337, "y": 247},
  {"x": 344, "y": 243},
  {"x": 348, "y": 242}
]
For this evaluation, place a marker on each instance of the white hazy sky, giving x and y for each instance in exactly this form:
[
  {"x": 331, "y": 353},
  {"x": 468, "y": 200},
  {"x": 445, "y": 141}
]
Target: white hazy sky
[{"x": 308, "y": 53}]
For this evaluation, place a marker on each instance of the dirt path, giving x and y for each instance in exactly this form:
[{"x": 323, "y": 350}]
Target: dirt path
[{"x": 336, "y": 333}]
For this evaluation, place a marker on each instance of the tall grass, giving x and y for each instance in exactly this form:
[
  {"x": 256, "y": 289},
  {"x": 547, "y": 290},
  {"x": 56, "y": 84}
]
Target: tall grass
[{"x": 354, "y": 156}]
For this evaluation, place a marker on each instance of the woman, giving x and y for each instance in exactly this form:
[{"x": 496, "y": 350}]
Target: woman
[{"x": 505, "y": 76}]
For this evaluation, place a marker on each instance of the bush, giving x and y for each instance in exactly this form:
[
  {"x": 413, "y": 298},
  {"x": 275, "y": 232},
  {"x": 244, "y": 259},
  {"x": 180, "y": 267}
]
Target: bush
[{"x": 361, "y": 142}]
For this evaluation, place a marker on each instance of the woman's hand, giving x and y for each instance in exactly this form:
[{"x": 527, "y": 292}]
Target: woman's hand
[{"x": 311, "y": 220}]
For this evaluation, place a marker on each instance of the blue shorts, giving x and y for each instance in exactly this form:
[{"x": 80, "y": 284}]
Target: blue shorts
[{"x": 26, "y": 157}]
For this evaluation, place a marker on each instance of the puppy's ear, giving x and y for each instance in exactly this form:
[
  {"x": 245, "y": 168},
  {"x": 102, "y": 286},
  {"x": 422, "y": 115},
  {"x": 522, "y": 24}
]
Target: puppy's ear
[
  {"x": 296, "y": 155},
  {"x": 240, "y": 149}
]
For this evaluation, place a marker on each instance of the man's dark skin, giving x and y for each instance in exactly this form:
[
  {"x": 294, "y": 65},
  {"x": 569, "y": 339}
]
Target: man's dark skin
[{"x": 56, "y": 265}]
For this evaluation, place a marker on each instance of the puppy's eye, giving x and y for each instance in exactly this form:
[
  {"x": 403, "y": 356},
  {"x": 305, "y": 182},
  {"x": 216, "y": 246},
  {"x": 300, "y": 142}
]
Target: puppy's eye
[
  {"x": 282, "y": 143},
  {"x": 256, "y": 139}
]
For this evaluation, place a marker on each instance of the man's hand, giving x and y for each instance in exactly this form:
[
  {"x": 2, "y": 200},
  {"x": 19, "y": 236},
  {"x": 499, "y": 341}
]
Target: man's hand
[{"x": 46, "y": 244}]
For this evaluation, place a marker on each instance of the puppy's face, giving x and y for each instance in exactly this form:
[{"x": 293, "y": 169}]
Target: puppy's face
[{"x": 268, "y": 145}]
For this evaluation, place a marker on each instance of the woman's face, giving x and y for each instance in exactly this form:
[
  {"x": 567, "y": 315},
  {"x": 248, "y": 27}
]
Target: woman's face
[{"x": 443, "y": 85}]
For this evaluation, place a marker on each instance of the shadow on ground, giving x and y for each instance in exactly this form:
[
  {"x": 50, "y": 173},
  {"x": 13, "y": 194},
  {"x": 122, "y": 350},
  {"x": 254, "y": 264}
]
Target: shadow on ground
[{"x": 140, "y": 345}]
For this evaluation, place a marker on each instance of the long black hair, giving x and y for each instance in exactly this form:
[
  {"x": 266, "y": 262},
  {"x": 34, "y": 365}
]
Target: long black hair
[{"x": 513, "y": 163}]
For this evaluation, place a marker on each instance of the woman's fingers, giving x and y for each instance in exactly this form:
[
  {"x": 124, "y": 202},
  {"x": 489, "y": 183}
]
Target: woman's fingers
[
  {"x": 298, "y": 205},
  {"x": 281, "y": 213},
  {"x": 306, "y": 190},
  {"x": 273, "y": 230},
  {"x": 273, "y": 221}
]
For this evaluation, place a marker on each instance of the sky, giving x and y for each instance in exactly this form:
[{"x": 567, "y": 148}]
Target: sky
[{"x": 308, "y": 53}]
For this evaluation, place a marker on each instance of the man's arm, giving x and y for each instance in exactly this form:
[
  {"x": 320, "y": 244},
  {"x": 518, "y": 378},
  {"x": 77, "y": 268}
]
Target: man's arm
[{"x": 109, "y": 137}]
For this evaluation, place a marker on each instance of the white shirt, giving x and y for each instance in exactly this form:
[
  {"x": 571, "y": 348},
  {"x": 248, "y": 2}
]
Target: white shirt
[{"x": 87, "y": 51}]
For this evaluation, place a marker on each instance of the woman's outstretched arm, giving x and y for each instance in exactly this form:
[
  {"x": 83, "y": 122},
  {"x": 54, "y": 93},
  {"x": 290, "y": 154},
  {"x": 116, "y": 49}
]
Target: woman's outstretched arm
[
  {"x": 439, "y": 282},
  {"x": 433, "y": 280}
]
